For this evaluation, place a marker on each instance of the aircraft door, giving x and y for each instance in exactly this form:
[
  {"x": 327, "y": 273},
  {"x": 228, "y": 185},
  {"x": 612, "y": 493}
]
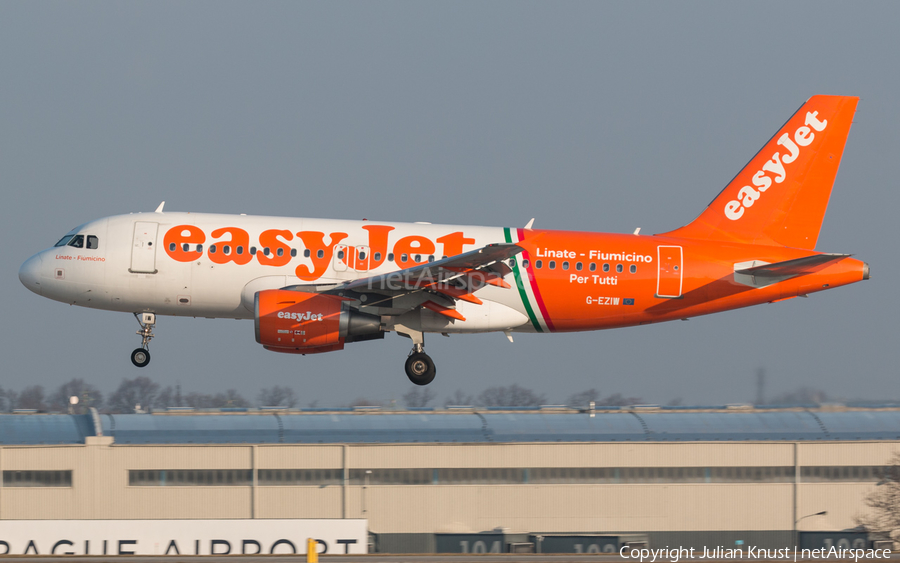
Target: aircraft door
[
  {"x": 362, "y": 259},
  {"x": 143, "y": 248},
  {"x": 341, "y": 258},
  {"x": 669, "y": 271}
]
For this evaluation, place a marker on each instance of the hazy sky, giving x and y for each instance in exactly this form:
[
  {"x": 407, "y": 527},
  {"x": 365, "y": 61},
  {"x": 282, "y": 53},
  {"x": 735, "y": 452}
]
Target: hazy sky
[{"x": 601, "y": 116}]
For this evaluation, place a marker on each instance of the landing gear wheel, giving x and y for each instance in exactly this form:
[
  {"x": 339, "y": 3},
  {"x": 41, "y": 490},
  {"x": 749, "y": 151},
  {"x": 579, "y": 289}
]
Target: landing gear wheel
[
  {"x": 419, "y": 368},
  {"x": 141, "y": 357}
]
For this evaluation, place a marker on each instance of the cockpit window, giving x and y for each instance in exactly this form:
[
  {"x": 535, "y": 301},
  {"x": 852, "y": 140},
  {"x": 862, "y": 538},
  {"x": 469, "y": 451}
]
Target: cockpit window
[
  {"x": 93, "y": 242},
  {"x": 64, "y": 241},
  {"x": 77, "y": 241}
]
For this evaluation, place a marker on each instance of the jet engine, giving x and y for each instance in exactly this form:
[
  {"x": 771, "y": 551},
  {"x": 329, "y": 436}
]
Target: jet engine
[{"x": 310, "y": 323}]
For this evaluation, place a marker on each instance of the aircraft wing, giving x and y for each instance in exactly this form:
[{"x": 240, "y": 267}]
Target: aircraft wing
[
  {"x": 434, "y": 285},
  {"x": 482, "y": 260}
]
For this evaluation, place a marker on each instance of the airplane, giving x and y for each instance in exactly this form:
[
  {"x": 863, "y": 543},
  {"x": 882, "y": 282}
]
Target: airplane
[{"x": 315, "y": 285}]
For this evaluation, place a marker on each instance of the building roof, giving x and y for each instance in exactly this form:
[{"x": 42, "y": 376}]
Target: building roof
[
  {"x": 44, "y": 429},
  {"x": 466, "y": 426}
]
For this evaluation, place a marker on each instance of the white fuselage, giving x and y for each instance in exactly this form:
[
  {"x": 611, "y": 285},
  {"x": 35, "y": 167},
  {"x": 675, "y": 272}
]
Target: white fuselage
[{"x": 142, "y": 262}]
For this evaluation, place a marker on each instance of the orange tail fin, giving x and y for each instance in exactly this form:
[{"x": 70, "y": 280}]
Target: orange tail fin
[{"x": 780, "y": 197}]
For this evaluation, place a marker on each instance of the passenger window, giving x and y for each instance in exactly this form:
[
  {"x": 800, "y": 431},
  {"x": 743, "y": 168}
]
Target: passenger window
[
  {"x": 212, "y": 249},
  {"x": 252, "y": 251},
  {"x": 552, "y": 264},
  {"x": 593, "y": 267},
  {"x": 525, "y": 264},
  {"x": 78, "y": 241},
  {"x": 240, "y": 249},
  {"x": 93, "y": 242},
  {"x": 431, "y": 258},
  {"x": 186, "y": 247},
  {"x": 293, "y": 252},
  {"x": 306, "y": 253},
  {"x": 606, "y": 267},
  {"x": 226, "y": 250},
  {"x": 320, "y": 253},
  {"x": 362, "y": 255},
  {"x": 391, "y": 257},
  {"x": 632, "y": 269},
  {"x": 619, "y": 268},
  {"x": 565, "y": 265},
  {"x": 199, "y": 248},
  {"x": 404, "y": 257},
  {"x": 539, "y": 264},
  {"x": 171, "y": 247},
  {"x": 578, "y": 266},
  {"x": 280, "y": 252},
  {"x": 418, "y": 258},
  {"x": 340, "y": 254},
  {"x": 377, "y": 256}
]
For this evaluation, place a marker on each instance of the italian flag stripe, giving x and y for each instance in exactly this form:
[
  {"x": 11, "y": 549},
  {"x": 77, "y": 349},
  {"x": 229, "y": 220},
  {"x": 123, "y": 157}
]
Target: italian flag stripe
[
  {"x": 535, "y": 292},
  {"x": 523, "y": 293}
]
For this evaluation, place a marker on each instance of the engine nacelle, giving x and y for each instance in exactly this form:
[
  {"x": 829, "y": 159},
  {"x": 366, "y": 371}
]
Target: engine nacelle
[{"x": 309, "y": 323}]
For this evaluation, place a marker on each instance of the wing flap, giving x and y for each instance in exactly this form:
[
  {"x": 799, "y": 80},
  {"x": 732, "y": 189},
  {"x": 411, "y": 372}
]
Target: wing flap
[
  {"x": 483, "y": 260},
  {"x": 451, "y": 279}
]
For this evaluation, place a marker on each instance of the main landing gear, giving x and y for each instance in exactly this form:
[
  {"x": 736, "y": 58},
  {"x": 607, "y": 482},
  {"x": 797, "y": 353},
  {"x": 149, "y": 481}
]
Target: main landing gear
[
  {"x": 141, "y": 356},
  {"x": 419, "y": 367}
]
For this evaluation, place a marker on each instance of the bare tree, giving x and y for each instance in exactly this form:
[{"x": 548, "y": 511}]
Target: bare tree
[
  {"x": 10, "y": 400},
  {"x": 512, "y": 396},
  {"x": 801, "y": 396},
  {"x": 228, "y": 399},
  {"x": 167, "y": 398},
  {"x": 277, "y": 397},
  {"x": 459, "y": 399},
  {"x": 88, "y": 396},
  {"x": 584, "y": 398},
  {"x": 418, "y": 397},
  {"x": 140, "y": 391},
  {"x": 200, "y": 400},
  {"x": 884, "y": 500},
  {"x": 232, "y": 399},
  {"x": 619, "y": 400},
  {"x": 32, "y": 398},
  {"x": 363, "y": 402}
]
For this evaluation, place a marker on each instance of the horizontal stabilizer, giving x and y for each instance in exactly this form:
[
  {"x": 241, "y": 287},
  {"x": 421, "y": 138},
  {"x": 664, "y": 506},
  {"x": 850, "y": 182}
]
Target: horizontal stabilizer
[{"x": 760, "y": 274}]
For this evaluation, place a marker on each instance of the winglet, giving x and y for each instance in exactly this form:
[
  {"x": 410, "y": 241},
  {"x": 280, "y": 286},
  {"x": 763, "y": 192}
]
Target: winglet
[
  {"x": 160, "y": 208},
  {"x": 530, "y": 223}
]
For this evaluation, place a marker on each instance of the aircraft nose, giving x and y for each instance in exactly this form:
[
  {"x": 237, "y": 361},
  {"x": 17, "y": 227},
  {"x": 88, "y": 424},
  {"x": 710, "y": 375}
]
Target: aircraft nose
[{"x": 30, "y": 273}]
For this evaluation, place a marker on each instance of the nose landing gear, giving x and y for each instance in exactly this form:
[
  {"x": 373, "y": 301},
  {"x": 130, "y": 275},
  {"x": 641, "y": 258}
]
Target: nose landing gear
[{"x": 140, "y": 357}]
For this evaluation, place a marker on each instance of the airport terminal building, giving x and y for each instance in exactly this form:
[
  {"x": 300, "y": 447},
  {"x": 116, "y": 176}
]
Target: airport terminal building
[{"x": 445, "y": 480}]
